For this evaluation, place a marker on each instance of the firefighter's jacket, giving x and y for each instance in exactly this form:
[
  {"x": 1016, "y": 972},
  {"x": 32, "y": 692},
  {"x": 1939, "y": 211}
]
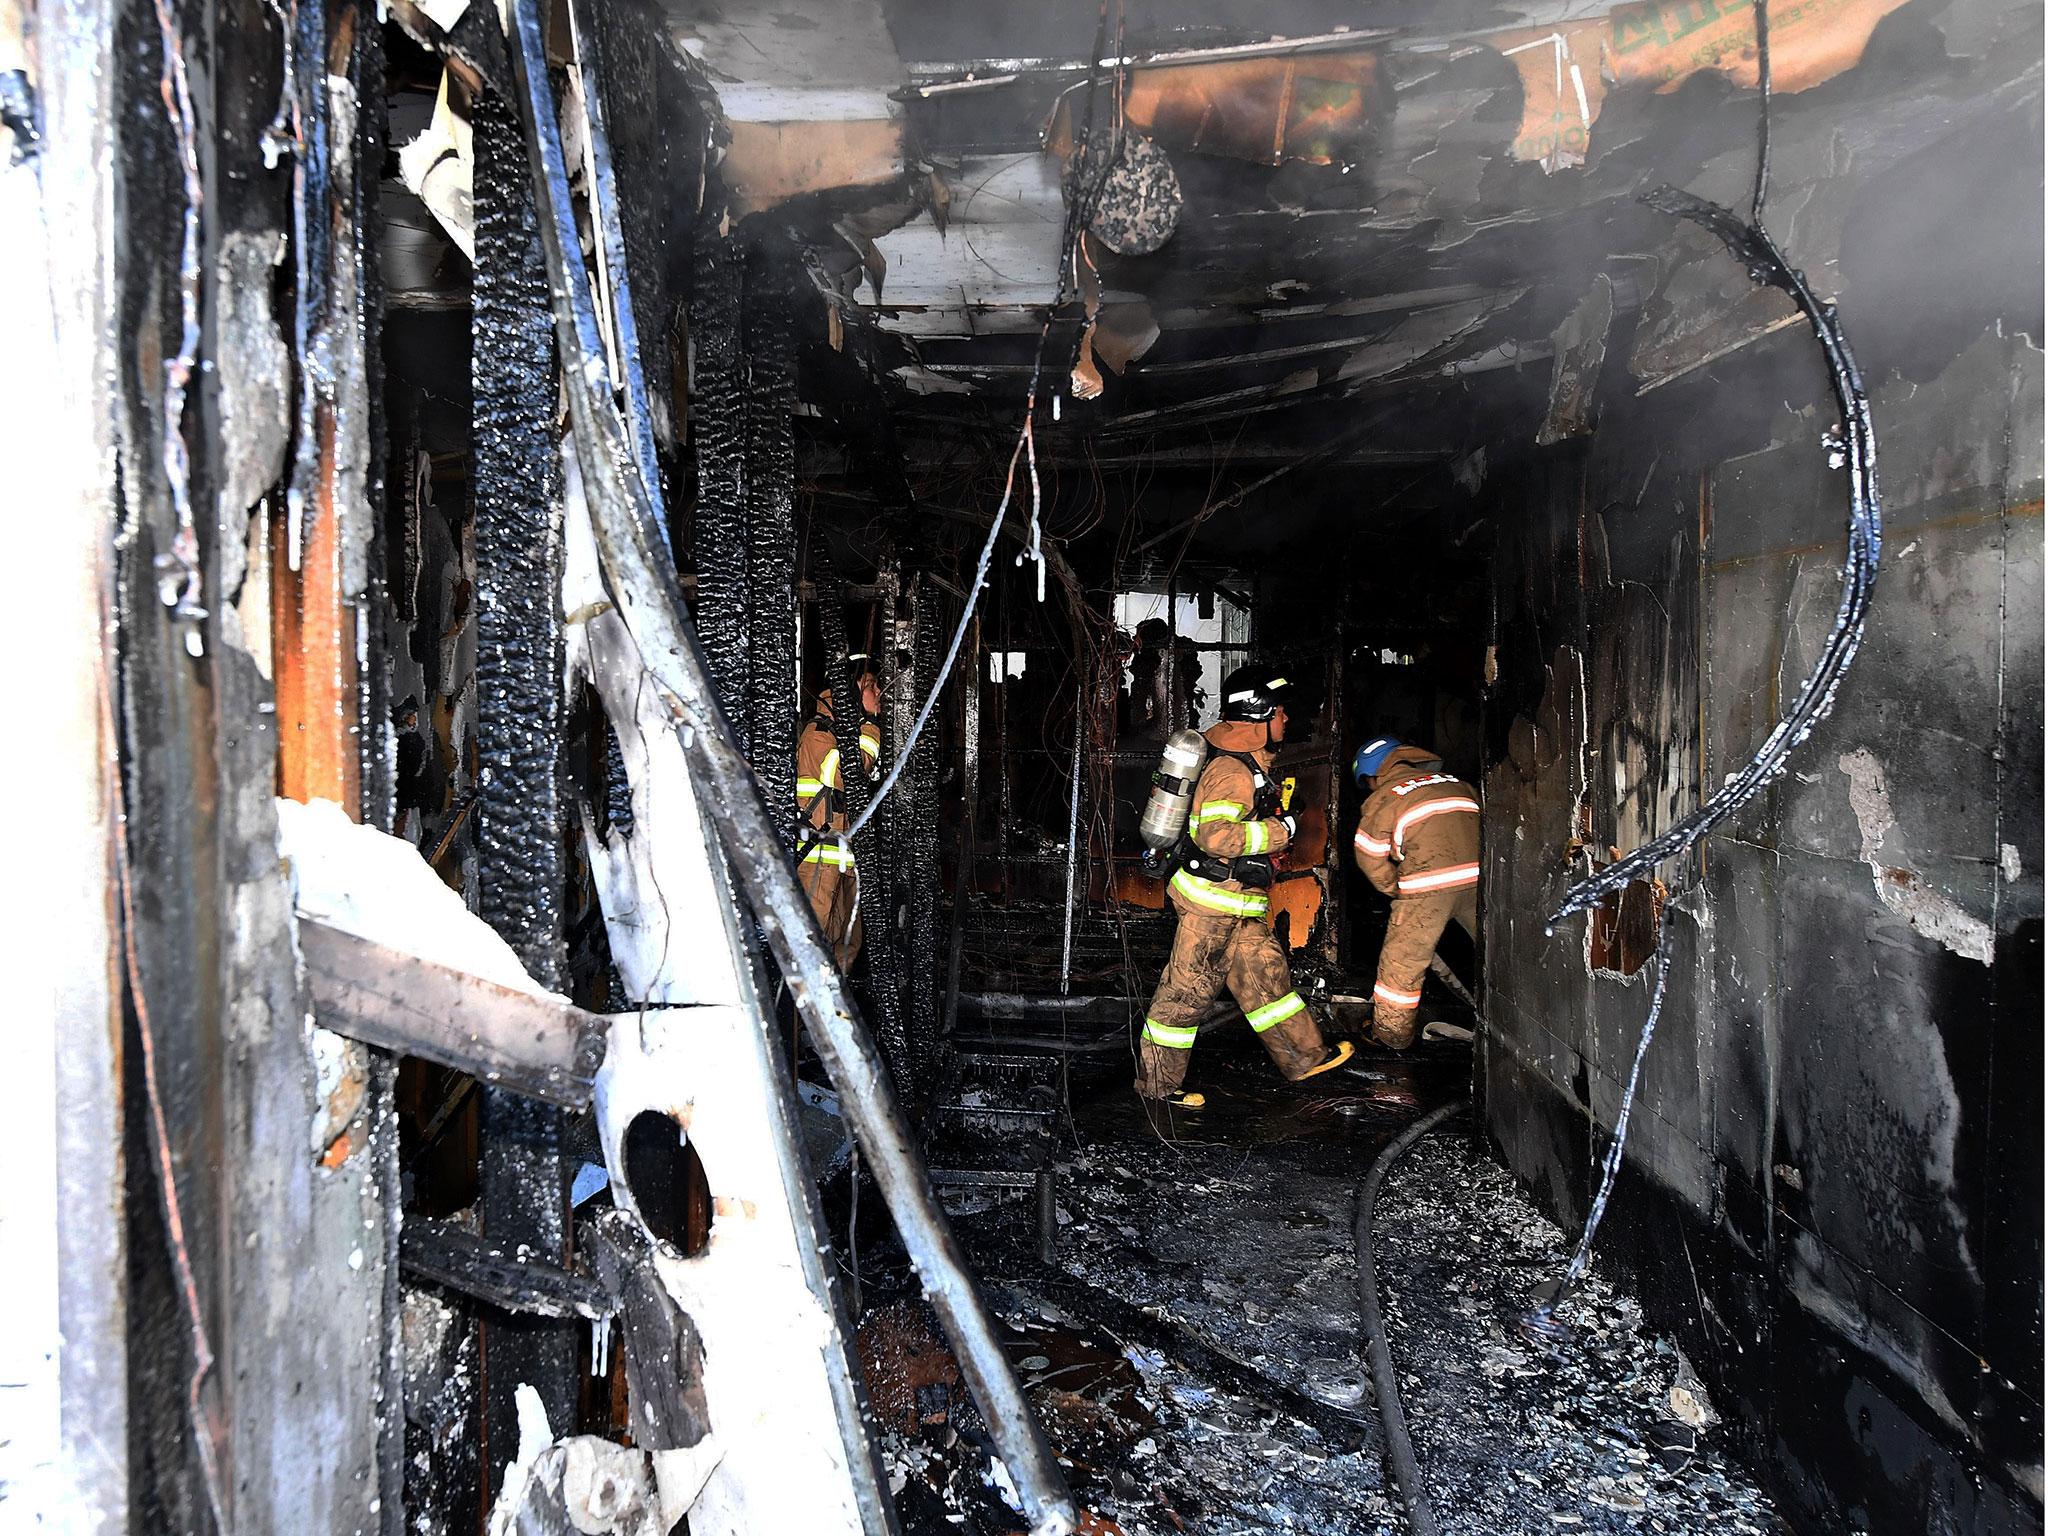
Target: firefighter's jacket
[
  {"x": 1234, "y": 817},
  {"x": 1419, "y": 830},
  {"x": 820, "y": 785}
]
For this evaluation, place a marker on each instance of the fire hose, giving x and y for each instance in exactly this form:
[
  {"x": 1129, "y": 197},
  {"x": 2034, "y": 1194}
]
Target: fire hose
[{"x": 1386, "y": 1388}]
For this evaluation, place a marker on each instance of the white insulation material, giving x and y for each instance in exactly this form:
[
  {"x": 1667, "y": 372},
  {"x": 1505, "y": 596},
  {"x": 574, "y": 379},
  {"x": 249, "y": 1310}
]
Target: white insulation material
[
  {"x": 1904, "y": 890},
  {"x": 377, "y": 887},
  {"x": 664, "y": 911}
]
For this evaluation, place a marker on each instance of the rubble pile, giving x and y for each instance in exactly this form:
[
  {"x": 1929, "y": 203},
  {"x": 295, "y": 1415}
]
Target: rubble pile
[{"x": 1195, "y": 1354}]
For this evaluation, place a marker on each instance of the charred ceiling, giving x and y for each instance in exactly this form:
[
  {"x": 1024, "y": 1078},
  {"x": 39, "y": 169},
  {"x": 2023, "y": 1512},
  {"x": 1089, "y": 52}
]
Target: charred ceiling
[{"x": 1365, "y": 222}]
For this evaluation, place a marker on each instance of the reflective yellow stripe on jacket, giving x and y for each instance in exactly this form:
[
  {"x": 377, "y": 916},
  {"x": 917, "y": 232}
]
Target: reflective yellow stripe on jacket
[
  {"x": 828, "y": 779},
  {"x": 1209, "y": 896},
  {"x": 1257, "y": 836}
]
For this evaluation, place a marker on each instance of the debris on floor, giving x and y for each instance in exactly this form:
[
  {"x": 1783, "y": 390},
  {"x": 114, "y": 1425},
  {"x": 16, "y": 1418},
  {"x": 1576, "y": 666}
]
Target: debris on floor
[{"x": 1195, "y": 1356}]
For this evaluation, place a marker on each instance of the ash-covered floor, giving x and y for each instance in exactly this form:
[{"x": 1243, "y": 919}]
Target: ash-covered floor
[{"x": 1196, "y": 1358}]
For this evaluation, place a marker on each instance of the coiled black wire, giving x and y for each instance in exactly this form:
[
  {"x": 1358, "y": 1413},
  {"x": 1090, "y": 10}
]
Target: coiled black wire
[{"x": 1752, "y": 245}]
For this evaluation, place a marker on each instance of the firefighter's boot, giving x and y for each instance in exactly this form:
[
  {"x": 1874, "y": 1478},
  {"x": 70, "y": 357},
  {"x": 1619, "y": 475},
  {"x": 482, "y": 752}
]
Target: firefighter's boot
[{"x": 1298, "y": 1049}]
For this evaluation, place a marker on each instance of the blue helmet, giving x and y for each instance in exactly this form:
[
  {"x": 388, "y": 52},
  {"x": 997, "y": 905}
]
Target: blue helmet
[{"x": 1372, "y": 757}]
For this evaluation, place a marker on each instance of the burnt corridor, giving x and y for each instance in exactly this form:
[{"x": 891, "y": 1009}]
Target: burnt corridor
[{"x": 1141, "y": 767}]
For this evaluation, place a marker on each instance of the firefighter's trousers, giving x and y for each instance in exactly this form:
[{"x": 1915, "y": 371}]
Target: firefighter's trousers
[
  {"x": 834, "y": 897},
  {"x": 1412, "y": 932},
  {"x": 1210, "y": 952}
]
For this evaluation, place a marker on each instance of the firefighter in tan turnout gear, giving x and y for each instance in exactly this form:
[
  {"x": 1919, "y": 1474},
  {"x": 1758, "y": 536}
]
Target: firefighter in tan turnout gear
[
  {"x": 1222, "y": 868},
  {"x": 1418, "y": 842},
  {"x": 826, "y": 871}
]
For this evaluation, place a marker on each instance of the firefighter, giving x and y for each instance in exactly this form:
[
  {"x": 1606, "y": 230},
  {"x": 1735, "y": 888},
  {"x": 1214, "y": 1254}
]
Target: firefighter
[
  {"x": 1221, "y": 873},
  {"x": 1418, "y": 842},
  {"x": 826, "y": 871}
]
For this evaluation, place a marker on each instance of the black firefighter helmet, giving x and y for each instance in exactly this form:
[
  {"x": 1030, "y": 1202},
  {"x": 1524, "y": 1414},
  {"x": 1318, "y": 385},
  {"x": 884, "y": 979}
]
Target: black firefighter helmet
[{"x": 1255, "y": 693}]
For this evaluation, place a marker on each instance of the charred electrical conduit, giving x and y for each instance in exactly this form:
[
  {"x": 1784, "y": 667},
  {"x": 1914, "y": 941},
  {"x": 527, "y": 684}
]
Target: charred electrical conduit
[{"x": 642, "y": 583}]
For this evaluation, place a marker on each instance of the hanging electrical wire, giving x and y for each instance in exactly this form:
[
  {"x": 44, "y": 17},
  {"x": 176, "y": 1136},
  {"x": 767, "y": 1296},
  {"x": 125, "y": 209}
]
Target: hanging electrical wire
[
  {"x": 1080, "y": 207},
  {"x": 1855, "y": 450},
  {"x": 988, "y": 549},
  {"x": 180, "y": 584}
]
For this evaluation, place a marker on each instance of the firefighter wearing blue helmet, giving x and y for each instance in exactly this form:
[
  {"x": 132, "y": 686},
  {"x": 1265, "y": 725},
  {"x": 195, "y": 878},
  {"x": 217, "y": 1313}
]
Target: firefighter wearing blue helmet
[{"x": 1418, "y": 842}]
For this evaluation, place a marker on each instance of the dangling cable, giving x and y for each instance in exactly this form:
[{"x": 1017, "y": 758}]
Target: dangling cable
[
  {"x": 1855, "y": 450},
  {"x": 1026, "y": 448},
  {"x": 988, "y": 549}
]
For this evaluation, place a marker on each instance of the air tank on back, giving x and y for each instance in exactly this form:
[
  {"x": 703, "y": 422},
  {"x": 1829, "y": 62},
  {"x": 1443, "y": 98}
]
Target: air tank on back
[{"x": 1173, "y": 790}]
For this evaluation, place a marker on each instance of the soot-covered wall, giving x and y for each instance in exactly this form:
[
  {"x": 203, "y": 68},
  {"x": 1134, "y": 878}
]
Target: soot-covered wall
[{"x": 1833, "y": 1186}]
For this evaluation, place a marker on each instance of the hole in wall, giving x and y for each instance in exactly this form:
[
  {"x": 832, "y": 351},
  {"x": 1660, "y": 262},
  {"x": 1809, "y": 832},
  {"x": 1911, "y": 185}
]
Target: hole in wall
[
  {"x": 667, "y": 1182},
  {"x": 1624, "y": 928}
]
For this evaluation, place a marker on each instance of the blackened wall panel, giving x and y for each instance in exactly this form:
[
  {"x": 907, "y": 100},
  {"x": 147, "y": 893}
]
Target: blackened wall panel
[
  {"x": 521, "y": 725},
  {"x": 1833, "y": 1187},
  {"x": 1825, "y": 1105}
]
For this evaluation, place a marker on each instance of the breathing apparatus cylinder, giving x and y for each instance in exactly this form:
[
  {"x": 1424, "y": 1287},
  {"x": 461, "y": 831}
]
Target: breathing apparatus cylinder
[{"x": 1165, "y": 820}]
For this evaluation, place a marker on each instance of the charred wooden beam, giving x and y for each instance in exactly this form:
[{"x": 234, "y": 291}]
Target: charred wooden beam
[
  {"x": 771, "y": 533},
  {"x": 920, "y": 831},
  {"x": 718, "y": 527},
  {"x": 521, "y": 731},
  {"x": 664, "y": 1355},
  {"x": 512, "y": 1281},
  {"x": 540, "y": 1047}
]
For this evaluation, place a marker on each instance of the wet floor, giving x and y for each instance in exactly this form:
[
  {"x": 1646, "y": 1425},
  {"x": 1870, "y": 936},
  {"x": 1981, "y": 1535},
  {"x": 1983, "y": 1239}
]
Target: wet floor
[{"x": 1195, "y": 1354}]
